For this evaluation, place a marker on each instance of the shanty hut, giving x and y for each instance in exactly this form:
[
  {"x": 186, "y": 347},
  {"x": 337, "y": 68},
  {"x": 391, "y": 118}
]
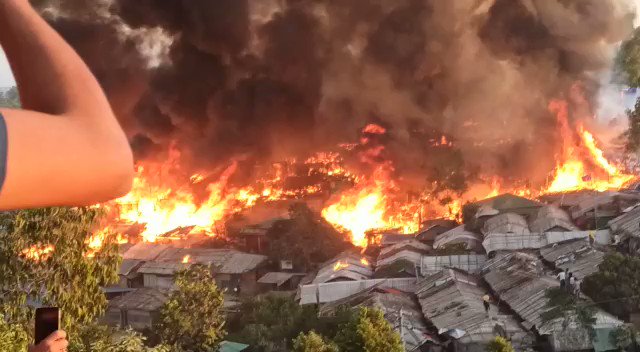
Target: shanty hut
[
  {"x": 401, "y": 259},
  {"x": 137, "y": 309},
  {"x": 452, "y": 301},
  {"x": 459, "y": 235},
  {"x": 578, "y": 256},
  {"x": 128, "y": 273},
  {"x": 551, "y": 218},
  {"x": 504, "y": 203},
  {"x": 507, "y": 223},
  {"x": 520, "y": 281},
  {"x": 280, "y": 281},
  {"x": 253, "y": 238},
  {"x": 471, "y": 263},
  {"x": 318, "y": 293},
  {"x": 626, "y": 228},
  {"x": 233, "y": 270},
  {"x": 346, "y": 266},
  {"x": 433, "y": 228}
]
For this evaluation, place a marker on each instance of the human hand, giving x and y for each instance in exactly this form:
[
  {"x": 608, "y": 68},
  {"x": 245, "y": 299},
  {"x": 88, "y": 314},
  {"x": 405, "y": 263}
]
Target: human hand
[{"x": 56, "y": 342}]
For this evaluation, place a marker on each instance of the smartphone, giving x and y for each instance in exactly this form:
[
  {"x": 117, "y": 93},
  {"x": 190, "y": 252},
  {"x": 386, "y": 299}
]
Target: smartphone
[{"x": 47, "y": 322}]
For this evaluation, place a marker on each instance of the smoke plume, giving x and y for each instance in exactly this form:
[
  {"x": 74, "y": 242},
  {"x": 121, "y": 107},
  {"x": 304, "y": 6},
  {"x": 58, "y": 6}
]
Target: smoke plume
[{"x": 267, "y": 79}]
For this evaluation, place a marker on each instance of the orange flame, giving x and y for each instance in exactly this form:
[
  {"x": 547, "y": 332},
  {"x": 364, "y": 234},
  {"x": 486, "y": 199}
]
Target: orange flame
[
  {"x": 582, "y": 164},
  {"x": 339, "y": 266},
  {"x": 186, "y": 259},
  {"x": 364, "y": 261}
]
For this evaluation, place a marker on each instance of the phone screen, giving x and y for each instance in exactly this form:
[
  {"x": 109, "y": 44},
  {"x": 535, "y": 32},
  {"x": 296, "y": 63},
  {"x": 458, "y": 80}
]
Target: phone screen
[{"x": 47, "y": 322}]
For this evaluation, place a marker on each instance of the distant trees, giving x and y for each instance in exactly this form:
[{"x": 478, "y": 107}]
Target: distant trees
[
  {"x": 306, "y": 239},
  {"x": 191, "y": 319},
  {"x": 10, "y": 98},
  {"x": 616, "y": 284},
  {"x": 500, "y": 344}
]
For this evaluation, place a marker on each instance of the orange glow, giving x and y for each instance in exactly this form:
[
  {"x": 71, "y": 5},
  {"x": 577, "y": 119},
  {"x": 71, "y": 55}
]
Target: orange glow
[
  {"x": 364, "y": 261},
  {"x": 339, "y": 266},
  {"x": 38, "y": 253},
  {"x": 582, "y": 164},
  {"x": 97, "y": 239},
  {"x": 186, "y": 259},
  {"x": 374, "y": 129}
]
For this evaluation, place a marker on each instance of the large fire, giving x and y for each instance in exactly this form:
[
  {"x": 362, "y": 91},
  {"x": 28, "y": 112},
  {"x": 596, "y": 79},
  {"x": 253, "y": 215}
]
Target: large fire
[{"x": 372, "y": 202}]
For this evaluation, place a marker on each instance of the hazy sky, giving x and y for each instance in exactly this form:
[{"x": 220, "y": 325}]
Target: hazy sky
[{"x": 6, "y": 78}]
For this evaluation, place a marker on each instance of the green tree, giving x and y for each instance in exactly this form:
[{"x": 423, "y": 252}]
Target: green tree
[
  {"x": 192, "y": 319},
  {"x": 313, "y": 342},
  {"x": 101, "y": 338},
  {"x": 270, "y": 322},
  {"x": 368, "y": 331},
  {"x": 616, "y": 284},
  {"x": 627, "y": 65},
  {"x": 632, "y": 134},
  {"x": 569, "y": 308},
  {"x": 12, "y": 337},
  {"x": 500, "y": 344},
  {"x": 45, "y": 256},
  {"x": 306, "y": 238}
]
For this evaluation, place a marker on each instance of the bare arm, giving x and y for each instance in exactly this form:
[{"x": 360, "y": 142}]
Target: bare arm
[{"x": 66, "y": 148}]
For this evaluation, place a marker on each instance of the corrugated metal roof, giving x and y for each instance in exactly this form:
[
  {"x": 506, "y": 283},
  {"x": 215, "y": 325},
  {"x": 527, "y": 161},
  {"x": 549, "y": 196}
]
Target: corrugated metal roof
[
  {"x": 627, "y": 224},
  {"x": 512, "y": 242},
  {"x": 458, "y": 235},
  {"x": 453, "y": 300},
  {"x": 506, "y": 223},
  {"x": 277, "y": 278},
  {"x": 129, "y": 266},
  {"x": 224, "y": 261},
  {"x": 406, "y": 244},
  {"x": 333, "y": 291},
  {"x": 161, "y": 268},
  {"x": 350, "y": 267},
  {"x": 146, "y": 299},
  {"x": 578, "y": 256},
  {"x": 519, "y": 280},
  {"x": 468, "y": 262},
  {"x": 407, "y": 255},
  {"x": 228, "y": 346},
  {"x": 551, "y": 217},
  {"x": 145, "y": 251}
]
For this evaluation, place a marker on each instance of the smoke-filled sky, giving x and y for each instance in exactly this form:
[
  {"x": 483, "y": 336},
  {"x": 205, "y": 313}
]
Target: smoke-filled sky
[{"x": 266, "y": 79}]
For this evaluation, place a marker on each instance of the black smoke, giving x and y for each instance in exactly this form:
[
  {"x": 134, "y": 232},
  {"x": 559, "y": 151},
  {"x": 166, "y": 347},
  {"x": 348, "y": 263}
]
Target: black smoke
[{"x": 266, "y": 79}]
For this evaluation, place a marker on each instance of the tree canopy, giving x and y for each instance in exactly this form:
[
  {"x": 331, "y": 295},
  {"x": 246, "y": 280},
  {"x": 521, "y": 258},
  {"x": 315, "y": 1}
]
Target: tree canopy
[
  {"x": 192, "y": 319},
  {"x": 627, "y": 65},
  {"x": 616, "y": 284},
  {"x": 313, "y": 342},
  {"x": 632, "y": 134},
  {"x": 368, "y": 331},
  {"x": 500, "y": 344},
  {"x": 305, "y": 238},
  {"x": 46, "y": 257}
]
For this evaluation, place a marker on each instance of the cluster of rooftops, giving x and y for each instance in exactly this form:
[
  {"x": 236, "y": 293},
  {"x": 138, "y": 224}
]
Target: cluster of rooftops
[{"x": 431, "y": 285}]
